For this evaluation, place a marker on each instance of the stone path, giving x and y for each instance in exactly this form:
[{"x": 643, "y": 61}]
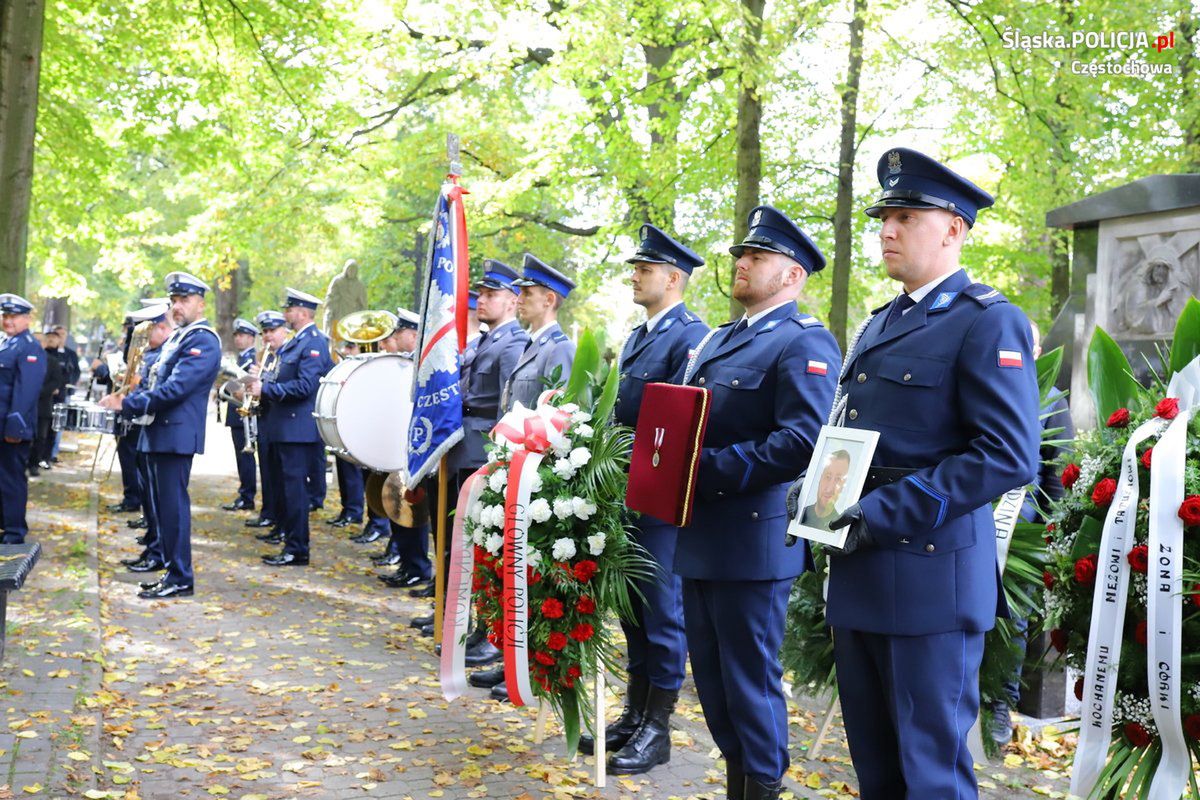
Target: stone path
[{"x": 293, "y": 683}]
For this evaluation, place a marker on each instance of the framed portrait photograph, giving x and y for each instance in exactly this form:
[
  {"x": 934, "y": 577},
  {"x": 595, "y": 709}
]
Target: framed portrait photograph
[{"x": 834, "y": 482}]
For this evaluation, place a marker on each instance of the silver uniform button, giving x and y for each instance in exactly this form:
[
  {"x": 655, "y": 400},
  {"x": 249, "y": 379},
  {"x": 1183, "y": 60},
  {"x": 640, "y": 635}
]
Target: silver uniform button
[
  {"x": 734, "y": 382},
  {"x": 862, "y": 377},
  {"x": 753, "y": 515},
  {"x": 854, "y": 413},
  {"x": 701, "y": 381},
  {"x": 908, "y": 376},
  {"x": 929, "y": 548}
]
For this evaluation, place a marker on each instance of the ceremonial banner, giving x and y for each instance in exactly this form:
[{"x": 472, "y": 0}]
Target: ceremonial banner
[{"x": 437, "y": 402}]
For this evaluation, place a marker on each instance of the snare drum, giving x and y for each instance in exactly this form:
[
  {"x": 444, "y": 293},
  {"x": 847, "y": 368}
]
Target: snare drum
[
  {"x": 363, "y": 407},
  {"x": 85, "y": 417}
]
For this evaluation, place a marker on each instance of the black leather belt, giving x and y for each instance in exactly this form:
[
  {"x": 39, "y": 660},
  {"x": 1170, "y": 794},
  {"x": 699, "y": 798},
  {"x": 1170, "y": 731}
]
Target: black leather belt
[
  {"x": 472, "y": 411},
  {"x": 882, "y": 476}
]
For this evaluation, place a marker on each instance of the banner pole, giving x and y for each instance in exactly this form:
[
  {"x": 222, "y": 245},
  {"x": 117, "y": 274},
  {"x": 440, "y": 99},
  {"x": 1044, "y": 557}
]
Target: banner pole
[{"x": 439, "y": 550}]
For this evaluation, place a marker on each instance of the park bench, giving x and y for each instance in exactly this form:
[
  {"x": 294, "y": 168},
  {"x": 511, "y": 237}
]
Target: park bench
[{"x": 16, "y": 562}]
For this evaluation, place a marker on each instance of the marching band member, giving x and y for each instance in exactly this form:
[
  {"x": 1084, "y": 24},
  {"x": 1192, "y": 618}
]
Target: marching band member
[
  {"x": 244, "y": 333},
  {"x": 274, "y": 334},
  {"x": 22, "y": 370},
  {"x": 177, "y": 396}
]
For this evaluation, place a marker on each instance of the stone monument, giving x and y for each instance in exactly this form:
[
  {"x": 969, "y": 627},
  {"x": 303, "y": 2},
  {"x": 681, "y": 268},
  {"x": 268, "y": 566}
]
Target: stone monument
[{"x": 346, "y": 294}]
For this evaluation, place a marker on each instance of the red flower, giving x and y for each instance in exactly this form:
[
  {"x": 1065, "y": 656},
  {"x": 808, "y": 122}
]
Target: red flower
[
  {"x": 1048, "y": 579},
  {"x": 1146, "y": 457},
  {"x": 552, "y": 608},
  {"x": 1058, "y": 638},
  {"x": 1085, "y": 570},
  {"x": 544, "y": 658},
  {"x": 1070, "y": 475},
  {"x": 477, "y": 583},
  {"x": 556, "y": 641},
  {"x": 1195, "y": 594},
  {"x": 1137, "y": 735},
  {"x": 1139, "y": 558},
  {"x": 1139, "y": 633},
  {"x": 568, "y": 682},
  {"x": 496, "y": 638},
  {"x": 584, "y": 570},
  {"x": 1119, "y": 418},
  {"x": 1079, "y": 688},
  {"x": 1051, "y": 527},
  {"x": 1189, "y": 512},
  {"x": 481, "y": 555},
  {"x": 1167, "y": 408},
  {"x": 585, "y": 605},
  {"x": 1102, "y": 495},
  {"x": 582, "y": 632},
  {"x": 532, "y": 576},
  {"x": 1191, "y": 726},
  {"x": 574, "y": 671}
]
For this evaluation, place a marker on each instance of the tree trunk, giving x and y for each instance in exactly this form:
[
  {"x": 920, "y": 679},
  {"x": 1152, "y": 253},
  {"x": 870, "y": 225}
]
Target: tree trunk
[
  {"x": 1189, "y": 101},
  {"x": 749, "y": 121},
  {"x": 656, "y": 200},
  {"x": 20, "y": 65},
  {"x": 839, "y": 303}
]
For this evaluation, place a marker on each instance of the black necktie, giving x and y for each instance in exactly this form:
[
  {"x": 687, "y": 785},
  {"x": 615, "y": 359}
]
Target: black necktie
[
  {"x": 902, "y": 304},
  {"x": 639, "y": 336},
  {"x": 736, "y": 329}
]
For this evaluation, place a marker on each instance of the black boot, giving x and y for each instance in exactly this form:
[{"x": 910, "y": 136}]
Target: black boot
[
  {"x": 735, "y": 781},
  {"x": 617, "y": 734},
  {"x": 762, "y": 791},
  {"x": 650, "y": 744}
]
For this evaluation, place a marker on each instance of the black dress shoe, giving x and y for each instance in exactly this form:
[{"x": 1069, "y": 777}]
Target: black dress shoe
[
  {"x": 165, "y": 591},
  {"x": 481, "y": 654},
  {"x": 420, "y": 622},
  {"x": 33, "y": 470},
  {"x": 487, "y": 678},
  {"x": 122, "y": 508},
  {"x": 238, "y": 505},
  {"x": 143, "y": 540},
  {"x": 273, "y": 538},
  {"x": 424, "y": 591},
  {"x": 427, "y": 632},
  {"x": 129, "y": 562},
  {"x": 386, "y": 560},
  {"x": 262, "y": 537},
  {"x": 368, "y": 536},
  {"x": 499, "y": 692},
  {"x": 315, "y": 507},
  {"x": 140, "y": 522},
  {"x": 285, "y": 560},
  {"x": 147, "y": 565},
  {"x": 144, "y": 585},
  {"x": 259, "y": 522}
]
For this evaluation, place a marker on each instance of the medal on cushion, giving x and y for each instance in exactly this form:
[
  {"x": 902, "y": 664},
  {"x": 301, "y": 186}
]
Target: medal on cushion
[{"x": 659, "y": 433}]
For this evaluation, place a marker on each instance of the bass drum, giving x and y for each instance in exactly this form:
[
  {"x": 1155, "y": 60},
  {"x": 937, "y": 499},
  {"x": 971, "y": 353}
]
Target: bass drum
[{"x": 363, "y": 407}]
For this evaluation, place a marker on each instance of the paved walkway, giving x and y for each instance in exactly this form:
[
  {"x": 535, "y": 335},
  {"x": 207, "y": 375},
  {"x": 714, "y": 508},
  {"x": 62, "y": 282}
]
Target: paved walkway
[{"x": 282, "y": 683}]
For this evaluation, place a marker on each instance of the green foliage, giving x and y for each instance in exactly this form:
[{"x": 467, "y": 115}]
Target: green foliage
[
  {"x": 1110, "y": 377},
  {"x": 1185, "y": 347}
]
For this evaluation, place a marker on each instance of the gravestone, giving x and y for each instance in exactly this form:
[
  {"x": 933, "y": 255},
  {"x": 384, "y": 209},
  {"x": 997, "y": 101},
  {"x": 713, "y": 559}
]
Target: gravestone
[{"x": 1135, "y": 260}]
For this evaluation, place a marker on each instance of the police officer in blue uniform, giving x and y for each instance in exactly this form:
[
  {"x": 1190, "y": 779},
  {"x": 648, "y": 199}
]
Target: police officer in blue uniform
[
  {"x": 485, "y": 369},
  {"x": 945, "y": 374},
  {"x": 22, "y": 370},
  {"x": 772, "y": 375},
  {"x": 133, "y": 494},
  {"x": 550, "y": 353},
  {"x": 654, "y": 353},
  {"x": 151, "y": 558},
  {"x": 177, "y": 397},
  {"x": 303, "y": 360},
  {"x": 244, "y": 333},
  {"x": 274, "y": 333}
]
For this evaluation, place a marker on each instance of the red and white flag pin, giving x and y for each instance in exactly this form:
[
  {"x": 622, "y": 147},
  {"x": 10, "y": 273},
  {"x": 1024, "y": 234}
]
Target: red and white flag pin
[
  {"x": 1011, "y": 358},
  {"x": 313, "y": 353},
  {"x": 817, "y": 368},
  {"x": 31, "y": 359},
  {"x": 195, "y": 351}
]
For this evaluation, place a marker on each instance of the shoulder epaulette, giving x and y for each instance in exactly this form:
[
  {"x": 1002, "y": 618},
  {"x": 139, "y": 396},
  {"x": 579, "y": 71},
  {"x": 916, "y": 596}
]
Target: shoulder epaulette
[
  {"x": 807, "y": 321},
  {"x": 984, "y": 295},
  {"x": 558, "y": 336}
]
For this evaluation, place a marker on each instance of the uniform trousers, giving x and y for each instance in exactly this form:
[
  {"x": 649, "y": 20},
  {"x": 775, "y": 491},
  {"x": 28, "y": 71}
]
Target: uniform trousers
[
  {"x": 267, "y": 480},
  {"x": 412, "y": 545},
  {"x": 172, "y": 509},
  {"x": 316, "y": 475},
  {"x": 14, "y": 490},
  {"x": 350, "y": 488},
  {"x": 292, "y": 462},
  {"x": 908, "y": 703},
  {"x": 245, "y": 465},
  {"x": 131, "y": 484},
  {"x": 656, "y": 640},
  {"x": 153, "y": 546},
  {"x": 734, "y": 630}
]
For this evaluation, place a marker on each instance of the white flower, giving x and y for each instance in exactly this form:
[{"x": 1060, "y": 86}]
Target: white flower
[
  {"x": 492, "y": 517},
  {"x": 475, "y": 512},
  {"x": 498, "y": 480},
  {"x": 479, "y": 536},
  {"x": 493, "y": 543},
  {"x": 564, "y": 469},
  {"x": 570, "y": 408},
  {"x": 596, "y": 543},
  {"x": 535, "y": 485},
  {"x": 539, "y": 510},
  {"x": 580, "y": 416},
  {"x": 563, "y": 507},
  {"x": 563, "y": 549},
  {"x": 533, "y": 557},
  {"x": 562, "y": 446},
  {"x": 583, "y": 509},
  {"x": 584, "y": 431},
  {"x": 580, "y": 456}
]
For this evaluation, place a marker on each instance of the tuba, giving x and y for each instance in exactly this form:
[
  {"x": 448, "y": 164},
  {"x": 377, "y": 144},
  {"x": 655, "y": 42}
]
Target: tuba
[
  {"x": 367, "y": 328},
  {"x": 127, "y": 379}
]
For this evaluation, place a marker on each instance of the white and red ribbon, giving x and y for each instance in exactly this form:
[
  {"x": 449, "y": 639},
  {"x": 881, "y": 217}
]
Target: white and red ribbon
[{"x": 457, "y": 619}]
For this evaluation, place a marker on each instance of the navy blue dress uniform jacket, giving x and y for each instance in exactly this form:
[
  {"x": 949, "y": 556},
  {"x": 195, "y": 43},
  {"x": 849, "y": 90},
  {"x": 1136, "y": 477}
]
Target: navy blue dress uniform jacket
[
  {"x": 658, "y": 357},
  {"x": 233, "y": 419},
  {"x": 303, "y": 360},
  {"x": 952, "y": 389},
  {"x": 551, "y": 350},
  {"x": 22, "y": 370},
  {"x": 486, "y": 367},
  {"x": 187, "y": 367},
  {"x": 772, "y": 389}
]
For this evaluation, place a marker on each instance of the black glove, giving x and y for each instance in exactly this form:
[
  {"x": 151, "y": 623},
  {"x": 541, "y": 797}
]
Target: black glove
[
  {"x": 793, "y": 496},
  {"x": 858, "y": 537}
]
